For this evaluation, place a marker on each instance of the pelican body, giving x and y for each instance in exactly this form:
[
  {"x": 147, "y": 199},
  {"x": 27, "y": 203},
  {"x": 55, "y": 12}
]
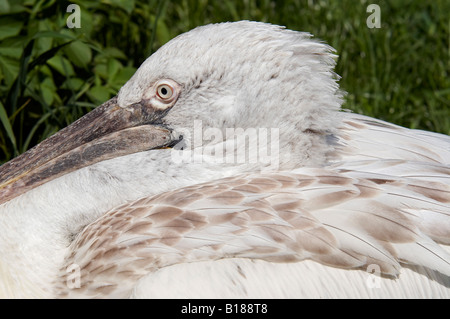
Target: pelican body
[{"x": 166, "y": 191}]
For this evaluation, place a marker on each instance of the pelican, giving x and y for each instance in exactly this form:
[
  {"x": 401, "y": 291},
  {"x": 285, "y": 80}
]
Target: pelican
[{"x": 148, "y": 195}]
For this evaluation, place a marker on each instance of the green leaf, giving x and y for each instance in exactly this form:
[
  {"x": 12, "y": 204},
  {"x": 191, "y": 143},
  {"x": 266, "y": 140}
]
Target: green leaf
[
  {"x": 162, "y": 32},
  {"x": 11, "y": 52},
  {"x": 79, "y": 54},
  {"x": 73, "y": 84},
  {"x": 53, "y": 34},
  {"x": 7, "y": 125},
  {"x": 43, "y": 43},
  {"x": 113, "y": 67},
  {"x": 98, "y": 94},
  {"x": 43, "y": 58},
  {"x": 123, "y": 76},
  {"x": 101, "y": 70},
  {"x": 13, "y": 7},
  {"x": 87, "y": 23},
  {"x": 10, "y": 27},
  {"x": 4, "y": 7},
  {"x": 112, "y": 53},
  {"x": 48, "y": 90},
  {"x": 10, "y": 68},
  {"x": 127, "y": 5},
  {"x": 62, "y": 65}
]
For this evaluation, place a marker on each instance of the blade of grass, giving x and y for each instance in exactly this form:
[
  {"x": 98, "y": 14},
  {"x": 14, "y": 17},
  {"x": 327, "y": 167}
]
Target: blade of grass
[
  {"x": 42, "y": 59},
  {"x": 155, "y": 24},
  {"x": 33, "y": 131},
  {"x": 13, "y": 116},
  {"x": 8, "y": 128},
  {"x": 17, "y": 87}
]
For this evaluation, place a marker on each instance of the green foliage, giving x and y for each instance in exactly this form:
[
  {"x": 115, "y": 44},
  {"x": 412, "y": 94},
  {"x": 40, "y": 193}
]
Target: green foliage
[{"x": 50, "y": 75}]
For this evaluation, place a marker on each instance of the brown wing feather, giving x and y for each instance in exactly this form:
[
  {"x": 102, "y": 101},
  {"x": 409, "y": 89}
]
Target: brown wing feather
[{"x": 328, "y": 216}]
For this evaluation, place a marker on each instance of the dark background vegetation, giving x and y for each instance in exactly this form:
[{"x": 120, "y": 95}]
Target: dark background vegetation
[{"x": 51, "y": 75}]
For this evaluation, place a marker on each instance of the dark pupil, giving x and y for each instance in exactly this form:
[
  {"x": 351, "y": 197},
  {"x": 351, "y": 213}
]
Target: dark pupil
[{"x": 163, "y": 91}]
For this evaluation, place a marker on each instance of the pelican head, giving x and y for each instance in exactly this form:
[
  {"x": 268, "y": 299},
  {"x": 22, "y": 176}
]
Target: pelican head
[
  {"x": 108, "y": 183},
  {"x": 215, "y": 71}
]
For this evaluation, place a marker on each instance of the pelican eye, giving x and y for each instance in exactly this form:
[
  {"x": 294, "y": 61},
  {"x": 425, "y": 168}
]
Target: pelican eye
[
  {"x": 163, "y": 94},
  {"x": 164, "y": 91}
]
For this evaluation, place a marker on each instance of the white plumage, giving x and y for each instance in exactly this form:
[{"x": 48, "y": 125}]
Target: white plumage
[{"x": 354, "y": 207}]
